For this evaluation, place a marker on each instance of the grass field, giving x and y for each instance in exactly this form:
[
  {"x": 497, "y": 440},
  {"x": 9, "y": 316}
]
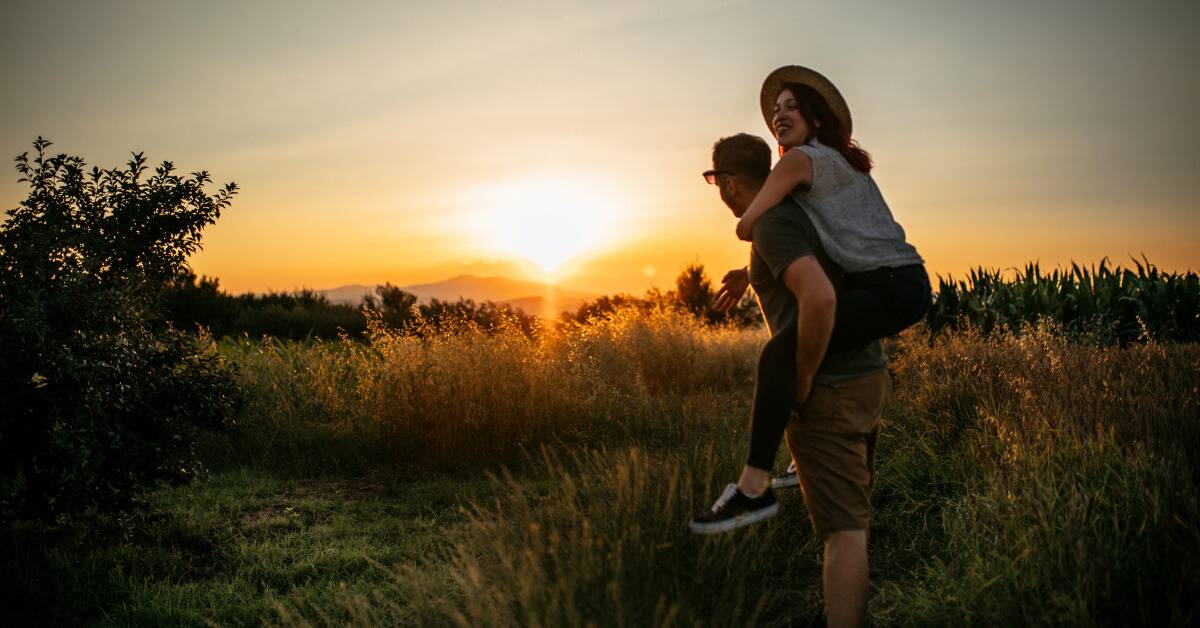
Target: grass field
[{"x": 501, "y": 479}]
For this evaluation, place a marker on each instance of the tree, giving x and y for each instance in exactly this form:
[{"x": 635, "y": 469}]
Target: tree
[
  {"x": 693, "y": 293},
  {"x": 101, "y": 396},
  {"x": 395, "y": 306},
  {"x": 693, "y": 290}
]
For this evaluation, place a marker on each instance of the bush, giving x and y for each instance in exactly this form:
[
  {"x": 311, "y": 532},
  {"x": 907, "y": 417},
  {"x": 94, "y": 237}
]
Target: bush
[{"x": 101, "y": 395}]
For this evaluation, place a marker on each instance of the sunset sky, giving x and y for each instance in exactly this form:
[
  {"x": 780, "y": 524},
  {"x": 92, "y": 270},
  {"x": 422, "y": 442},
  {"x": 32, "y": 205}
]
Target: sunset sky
[{"x": 409, "y": 142}]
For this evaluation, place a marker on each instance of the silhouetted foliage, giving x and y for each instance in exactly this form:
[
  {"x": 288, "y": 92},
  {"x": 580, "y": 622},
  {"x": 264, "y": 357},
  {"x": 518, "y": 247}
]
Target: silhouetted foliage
[
  {"x": 447, "y": 316},
  {"x": 190, "y": 302},
  {"x": 100, "y": 395},
  {"x": 693, "y": 289},
  {"x": 303, "y": 313},
  {"x": 396, "y": 307},
  {"x": 306, "y": 313},
  {"x": 611, "y": 303},
  {"x": 693, "y": 293}
]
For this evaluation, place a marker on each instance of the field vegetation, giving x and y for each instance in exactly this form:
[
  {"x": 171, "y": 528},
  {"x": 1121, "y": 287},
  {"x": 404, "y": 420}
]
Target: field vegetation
[
  {"x": 1101, "y": 303},
  {"x": 166, "y": 463},
  {"x": 192, "y": 302},
  {"x": 493, "y": 477}
]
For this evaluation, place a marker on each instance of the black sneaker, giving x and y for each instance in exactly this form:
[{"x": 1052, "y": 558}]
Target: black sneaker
[
  {"x": 788, "y": 479},
  {"x": 734, "y": 510}
]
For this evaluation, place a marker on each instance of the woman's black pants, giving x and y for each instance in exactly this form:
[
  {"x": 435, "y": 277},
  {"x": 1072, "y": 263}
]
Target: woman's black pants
[{"x": 871, "y": 305}]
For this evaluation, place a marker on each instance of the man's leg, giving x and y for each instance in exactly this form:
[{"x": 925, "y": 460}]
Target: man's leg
[
  {"x": 832, "y": 440},
  {"x": 846, "y": 578}
]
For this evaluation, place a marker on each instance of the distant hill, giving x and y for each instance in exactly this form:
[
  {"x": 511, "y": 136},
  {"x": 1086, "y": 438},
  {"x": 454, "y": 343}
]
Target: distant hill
[
  {"x": 532, "y": 297},
  {"x": 352, "y": 294},
  {"x": 496, "y": 289}
]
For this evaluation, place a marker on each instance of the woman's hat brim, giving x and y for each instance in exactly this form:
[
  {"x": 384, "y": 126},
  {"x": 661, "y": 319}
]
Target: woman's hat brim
[{"x": 804, "y": 76}]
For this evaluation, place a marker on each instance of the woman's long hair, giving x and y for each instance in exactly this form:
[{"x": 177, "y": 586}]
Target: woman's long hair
[{"x": 826, "y": 127}]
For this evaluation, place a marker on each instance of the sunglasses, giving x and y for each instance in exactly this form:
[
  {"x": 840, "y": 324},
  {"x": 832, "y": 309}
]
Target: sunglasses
[{"x": 710, "y": 176}]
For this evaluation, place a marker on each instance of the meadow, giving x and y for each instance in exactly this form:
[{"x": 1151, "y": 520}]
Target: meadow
[{"x": 497, "y": 478}]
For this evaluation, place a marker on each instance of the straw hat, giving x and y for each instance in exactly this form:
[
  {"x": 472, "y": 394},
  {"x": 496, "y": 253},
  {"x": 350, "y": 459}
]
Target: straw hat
[{"x": 804, "y": 76}]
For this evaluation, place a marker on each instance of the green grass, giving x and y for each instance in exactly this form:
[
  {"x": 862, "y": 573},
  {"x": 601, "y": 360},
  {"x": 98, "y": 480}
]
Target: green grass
[
  {"x": 1023, "y": 480},
  {"x": 222, "y": 550}
]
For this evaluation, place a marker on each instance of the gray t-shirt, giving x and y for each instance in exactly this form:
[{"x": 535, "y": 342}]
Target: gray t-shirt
[
  {"x": 783, "y": 235},
  {"x": 853, "y": 221}
]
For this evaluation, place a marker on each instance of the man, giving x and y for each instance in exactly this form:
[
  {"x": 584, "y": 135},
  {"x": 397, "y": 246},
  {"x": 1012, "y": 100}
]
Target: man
[{"x": 838, "y": 398}]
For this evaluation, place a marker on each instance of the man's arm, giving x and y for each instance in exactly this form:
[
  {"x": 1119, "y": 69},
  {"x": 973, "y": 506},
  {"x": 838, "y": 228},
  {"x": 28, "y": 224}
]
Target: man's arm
[
  {"x": 817, "y": 303},
  {"x": 733, "y": 286}
]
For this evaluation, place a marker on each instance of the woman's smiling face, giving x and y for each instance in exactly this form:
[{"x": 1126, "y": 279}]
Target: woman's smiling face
[{"x": 789, "y": 126}]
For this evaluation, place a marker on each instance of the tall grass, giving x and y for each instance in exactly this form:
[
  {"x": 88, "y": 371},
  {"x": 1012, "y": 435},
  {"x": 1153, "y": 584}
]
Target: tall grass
[
  {"x": 470, "y": 397},
  {"x": 1056, "y": 483},
  {"x": 1024, "y": 479}
]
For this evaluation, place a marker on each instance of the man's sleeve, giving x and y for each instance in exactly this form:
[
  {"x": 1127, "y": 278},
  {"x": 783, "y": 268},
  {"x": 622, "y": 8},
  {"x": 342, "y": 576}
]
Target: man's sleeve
[{"x": 780, "y": 238}]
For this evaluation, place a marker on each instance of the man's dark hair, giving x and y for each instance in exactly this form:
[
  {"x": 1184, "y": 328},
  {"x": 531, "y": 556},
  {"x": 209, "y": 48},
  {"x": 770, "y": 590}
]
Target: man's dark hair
[{"x": 747, "y": 156}]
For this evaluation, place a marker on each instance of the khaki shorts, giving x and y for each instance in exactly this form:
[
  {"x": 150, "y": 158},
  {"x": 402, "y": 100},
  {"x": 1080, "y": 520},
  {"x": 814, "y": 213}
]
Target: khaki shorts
[{"x": 832, "y": 439}]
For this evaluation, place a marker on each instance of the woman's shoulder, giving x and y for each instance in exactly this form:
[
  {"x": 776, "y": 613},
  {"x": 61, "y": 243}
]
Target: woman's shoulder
[
  {"x": 815, "y": 149},
  {"x": 832, "y": 174},
  {"x": 822, "y": 156}
]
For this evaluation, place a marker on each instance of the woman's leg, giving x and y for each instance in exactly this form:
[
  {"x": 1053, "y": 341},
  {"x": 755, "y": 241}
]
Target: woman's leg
[
  {"x": 774, "y": 396},
  {"x": 879, "y": 304}
]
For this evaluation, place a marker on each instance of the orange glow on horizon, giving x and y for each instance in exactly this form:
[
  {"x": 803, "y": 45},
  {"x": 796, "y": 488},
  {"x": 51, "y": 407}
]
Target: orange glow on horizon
[{"x": 562, "y": 143}]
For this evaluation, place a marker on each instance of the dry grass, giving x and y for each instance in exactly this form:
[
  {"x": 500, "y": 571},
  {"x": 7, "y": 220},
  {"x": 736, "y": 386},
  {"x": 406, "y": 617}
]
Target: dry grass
[
  {"x": 1024, "y": 479},
  {"x": 472, "y": 397}
]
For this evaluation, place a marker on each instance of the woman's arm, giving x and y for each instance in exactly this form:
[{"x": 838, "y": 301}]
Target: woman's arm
[{"x": 794, "y": 168}]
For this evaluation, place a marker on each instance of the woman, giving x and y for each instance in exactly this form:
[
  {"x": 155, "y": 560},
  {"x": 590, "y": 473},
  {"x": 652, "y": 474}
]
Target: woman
[{"x": 884, "y": 286}]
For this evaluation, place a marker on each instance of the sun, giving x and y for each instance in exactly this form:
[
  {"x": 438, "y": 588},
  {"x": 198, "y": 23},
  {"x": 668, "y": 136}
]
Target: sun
[{"x": 546, "y": 221}]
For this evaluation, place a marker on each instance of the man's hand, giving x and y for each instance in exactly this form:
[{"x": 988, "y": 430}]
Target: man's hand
[{"x": 733, "y": 286}]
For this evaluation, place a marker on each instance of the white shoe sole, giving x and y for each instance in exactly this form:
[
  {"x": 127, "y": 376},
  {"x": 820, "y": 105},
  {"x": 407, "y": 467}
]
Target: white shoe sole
[
  {"x": 736, "y": 522},
  {"x": 787, "y": 481}
]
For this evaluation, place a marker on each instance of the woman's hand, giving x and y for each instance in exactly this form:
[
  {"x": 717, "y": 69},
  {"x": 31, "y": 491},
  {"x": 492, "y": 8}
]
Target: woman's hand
[{"x": 733, "y": 286}]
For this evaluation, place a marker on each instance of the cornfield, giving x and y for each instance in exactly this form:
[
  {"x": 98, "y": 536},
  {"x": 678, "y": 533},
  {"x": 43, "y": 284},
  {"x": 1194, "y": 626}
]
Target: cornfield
[{"x": 1101, "y": 303}]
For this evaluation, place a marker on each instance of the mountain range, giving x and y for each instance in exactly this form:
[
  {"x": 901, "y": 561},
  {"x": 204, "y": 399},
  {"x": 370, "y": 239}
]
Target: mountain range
[{"x": 529, "y": 296}]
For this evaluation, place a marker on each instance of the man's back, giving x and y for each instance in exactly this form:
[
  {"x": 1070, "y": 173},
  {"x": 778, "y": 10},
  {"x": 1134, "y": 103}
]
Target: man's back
[{"x": 782, "y": 235}]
